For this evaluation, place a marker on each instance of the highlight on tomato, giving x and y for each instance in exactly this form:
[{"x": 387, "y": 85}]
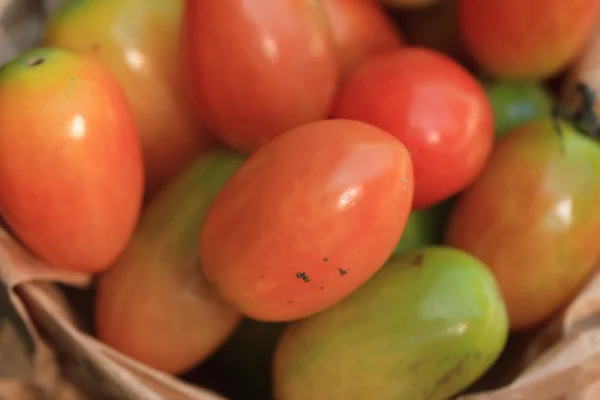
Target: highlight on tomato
[
  {"x": 307, "y": 219},
  {"x": 435, "y": 107}
]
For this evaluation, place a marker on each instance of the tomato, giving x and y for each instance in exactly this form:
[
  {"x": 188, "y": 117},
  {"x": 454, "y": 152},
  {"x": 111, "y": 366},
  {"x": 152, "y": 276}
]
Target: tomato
[
  {"x": 157, "y": 284},
  {"x": 307, "y": 219},
  {"x": 71, "y": 172},
  {"x": 531, "y": 39},
  {"x": 532, "y": 218},
  {"x": 425, "y": 327},
  {"x": 517, "y": 102},
  {"x": 425, "y": 228},
  {"x": 139, "y": 41},
  {"x": 257, "y": 67},
  {"x": 361, "y": 29},
  {"x": 436, "y": 109}
]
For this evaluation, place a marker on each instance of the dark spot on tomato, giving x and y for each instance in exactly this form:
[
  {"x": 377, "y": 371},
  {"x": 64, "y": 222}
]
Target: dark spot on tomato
[
  {"x": 452, "y": 372},
  {"x": 325, "y": 259},
  {"x": 343, "y": 272},
  {"x": 262, "y": 277},
  {"x": 35, "y": 61},
  {"x": 418, "y": 260},
  {"x": 290, "y": 301},
  {"x": 303, "y": 276},
  {"x": 96, "y": 47},
  {"x": 414, "y": 367},
  {"x": 321, "y": 287}
]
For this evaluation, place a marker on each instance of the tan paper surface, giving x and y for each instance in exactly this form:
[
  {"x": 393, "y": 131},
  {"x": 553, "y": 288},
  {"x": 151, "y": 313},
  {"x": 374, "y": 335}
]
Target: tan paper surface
[{"x": 43, "y": 349}]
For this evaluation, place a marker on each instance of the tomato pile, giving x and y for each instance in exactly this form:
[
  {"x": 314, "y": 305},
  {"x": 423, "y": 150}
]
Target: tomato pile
[{"x": 313, "y": 199}]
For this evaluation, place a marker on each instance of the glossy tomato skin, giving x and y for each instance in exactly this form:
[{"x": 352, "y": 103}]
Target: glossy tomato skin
[
  {"x": 532, "y": 218},
  {"x": 531, "y": 39},
  {"x": 139, "y": 41},
  {"x": 157, "y": 286},
  {"x": 71, "y": 170},
  {"x": 434, "y": 107},
  {"x": 361, "y": 29},
  {"x": 258, "y": 68},
  {"x": 307, "y": 219}
]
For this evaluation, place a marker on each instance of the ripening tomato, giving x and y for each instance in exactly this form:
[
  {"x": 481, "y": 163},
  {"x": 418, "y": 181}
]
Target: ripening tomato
[
  {"x": 157, "y": 284},
  {"x": 436, "y": 109},
  {"x": 259, "y": 67},
  {"x": 139, "y": 41},
  {"x": 307, "y": 219},
  {"x": 531, "y": 39},
  {"x": 71, "y": 172},
  {"x": 361, "y": 29},
  {"x": 532, "y": 218}
]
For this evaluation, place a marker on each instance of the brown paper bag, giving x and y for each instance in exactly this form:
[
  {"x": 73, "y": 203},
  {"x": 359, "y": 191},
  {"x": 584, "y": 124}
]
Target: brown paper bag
[{"x": 46, "y": 353}]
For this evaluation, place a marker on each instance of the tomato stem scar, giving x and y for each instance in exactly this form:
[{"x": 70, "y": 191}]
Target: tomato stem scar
[
  {"x": 35, "y": 61},
  {"x": 583, "y": 116}
]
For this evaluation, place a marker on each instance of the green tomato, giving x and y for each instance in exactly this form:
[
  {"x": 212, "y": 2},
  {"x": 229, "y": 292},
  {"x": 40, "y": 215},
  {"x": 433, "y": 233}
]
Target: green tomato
[
  {"x": 425, "y": 327},
  {"x": 517, "y": 102},
  {"x": 425, "y": 227}
]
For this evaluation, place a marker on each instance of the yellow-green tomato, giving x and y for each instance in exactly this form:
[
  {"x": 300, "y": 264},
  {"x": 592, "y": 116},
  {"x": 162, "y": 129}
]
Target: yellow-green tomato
[
  {"x": 139, "y": 41},
  {"x": 426, "y": 326},
  {"x": 425, "y": 227}
]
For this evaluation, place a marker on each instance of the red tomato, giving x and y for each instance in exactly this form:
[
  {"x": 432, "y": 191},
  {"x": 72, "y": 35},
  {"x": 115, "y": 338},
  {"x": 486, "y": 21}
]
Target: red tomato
[
  {"x": 361, "y": 29},
  {"x": 259, "y": 67},
  {"x": 531, "y": 39},
  {"x": 435, "y": 107},
  {"x": 307, "y": 219},
  {"x": 71, "y": 172}
]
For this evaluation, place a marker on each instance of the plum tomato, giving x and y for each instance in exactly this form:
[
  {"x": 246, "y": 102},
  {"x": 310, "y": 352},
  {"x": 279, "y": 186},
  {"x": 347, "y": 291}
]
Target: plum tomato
[
  {"x": 532, "y": 218},
  {"x": 307, "y": 219},
  {"x": 434, "y": 107},
  {"x": 139, "y": 41},
  {"x": 533, "y": 39},
  {"x": 361, "y": 29},
  {"x": 257, "y": 68},
  {"x": 156, "y": 285},
  {"x": 71, "y": 169}
]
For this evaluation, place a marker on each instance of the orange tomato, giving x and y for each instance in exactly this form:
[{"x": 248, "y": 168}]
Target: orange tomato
[
  {"x": 307, "y": 219},
  {"x": 71, "y": 173},
  {"x": 531, "y": 39},
  {"x": 361, "y": 29},
  {"x": 259, "y": 67},
  {"x": 139, "y": 41}
]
